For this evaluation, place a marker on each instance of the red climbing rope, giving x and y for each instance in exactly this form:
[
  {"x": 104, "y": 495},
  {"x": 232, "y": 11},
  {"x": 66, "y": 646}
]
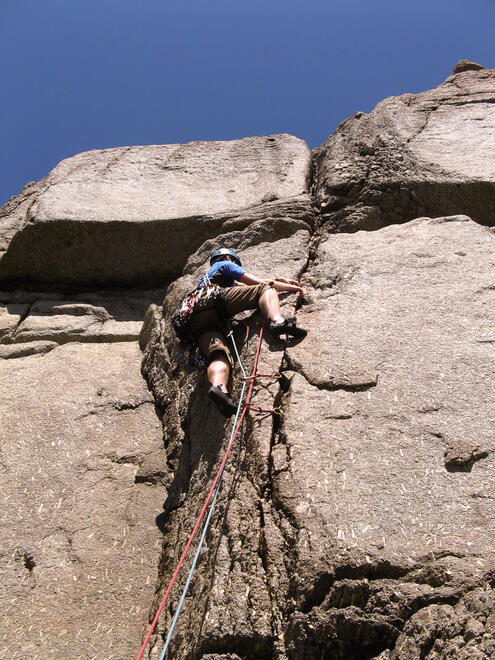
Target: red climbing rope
[{"x": 208, "y": 497}]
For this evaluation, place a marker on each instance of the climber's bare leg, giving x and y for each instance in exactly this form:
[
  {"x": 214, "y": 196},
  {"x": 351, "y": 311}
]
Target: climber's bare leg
[
  {"x": 269, "y": 304},
  {"x": 219, "y": 370}
]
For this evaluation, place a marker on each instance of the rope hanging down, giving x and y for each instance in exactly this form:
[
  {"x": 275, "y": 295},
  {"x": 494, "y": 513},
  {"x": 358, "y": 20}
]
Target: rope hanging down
[
  {"x": 212, "y": 506},
  {"x": 237, "y": 423}
]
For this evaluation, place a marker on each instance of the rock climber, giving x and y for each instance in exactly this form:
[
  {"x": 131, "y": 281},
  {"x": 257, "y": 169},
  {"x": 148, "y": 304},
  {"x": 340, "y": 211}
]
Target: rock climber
[{"x": 239, "y": 291}]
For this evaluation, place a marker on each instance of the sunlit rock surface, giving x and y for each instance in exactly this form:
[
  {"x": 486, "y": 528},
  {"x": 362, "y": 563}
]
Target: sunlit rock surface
[
  {"x": 78, "y": 536},
  {"x": 357, "y": 524}
]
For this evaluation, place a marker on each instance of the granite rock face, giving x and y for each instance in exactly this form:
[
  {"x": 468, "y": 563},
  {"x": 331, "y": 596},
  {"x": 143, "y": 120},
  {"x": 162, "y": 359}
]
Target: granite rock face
[
  {"x": 395, "y": 469},
  {"x": 78, "y": 536},
  {"x": 359, "y": 523},
  {"x": 428, "y": 154},
  {"x": 81, "y": 468}
]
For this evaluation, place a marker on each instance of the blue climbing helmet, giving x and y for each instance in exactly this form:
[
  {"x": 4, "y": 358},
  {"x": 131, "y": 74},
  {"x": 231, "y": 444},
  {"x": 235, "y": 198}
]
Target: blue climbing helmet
[{"x": 221, "y": 253}]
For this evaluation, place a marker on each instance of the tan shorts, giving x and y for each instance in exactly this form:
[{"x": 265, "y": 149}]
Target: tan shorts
[
  {"x": 241, "y": 298},
  {"x": 214, "y": 340},
  {"x": 237, "y": 299}
]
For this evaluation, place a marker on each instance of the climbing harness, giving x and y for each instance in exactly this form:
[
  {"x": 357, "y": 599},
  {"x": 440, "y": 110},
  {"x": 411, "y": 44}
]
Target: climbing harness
[
  {"x": 215, "y": 487},
  {"x": 205, "y": 297}
]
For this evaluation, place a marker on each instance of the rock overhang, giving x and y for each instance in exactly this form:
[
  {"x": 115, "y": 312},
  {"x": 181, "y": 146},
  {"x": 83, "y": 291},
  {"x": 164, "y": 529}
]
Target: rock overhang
[{"x": 132, "y": 215}]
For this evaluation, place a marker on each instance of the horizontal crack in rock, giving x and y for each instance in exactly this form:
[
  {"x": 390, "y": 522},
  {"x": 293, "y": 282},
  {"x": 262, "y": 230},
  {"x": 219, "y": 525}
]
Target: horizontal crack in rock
[
  {"x": 361, "y": 385},
  {"x": 115, "y": 405}
]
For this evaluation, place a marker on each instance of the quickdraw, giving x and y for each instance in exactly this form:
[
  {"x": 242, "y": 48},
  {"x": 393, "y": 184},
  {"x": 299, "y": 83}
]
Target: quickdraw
[
  {"x": 275, "y": 376},
  {"x": 272, "y": 411},
  {"x": 181, "y": 322},
  {"x": 192, "y": 360}
]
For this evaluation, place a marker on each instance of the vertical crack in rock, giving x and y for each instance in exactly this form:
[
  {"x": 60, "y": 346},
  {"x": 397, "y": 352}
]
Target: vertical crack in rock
[{"x": 248, "y": 476}]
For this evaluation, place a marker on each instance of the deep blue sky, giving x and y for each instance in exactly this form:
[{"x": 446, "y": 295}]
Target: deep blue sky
[{"x": 84, "y": 74}]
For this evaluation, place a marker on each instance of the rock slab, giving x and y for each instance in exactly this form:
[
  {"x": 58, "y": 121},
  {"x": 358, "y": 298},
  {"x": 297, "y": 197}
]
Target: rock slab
[{"x": 80, "y": 468}]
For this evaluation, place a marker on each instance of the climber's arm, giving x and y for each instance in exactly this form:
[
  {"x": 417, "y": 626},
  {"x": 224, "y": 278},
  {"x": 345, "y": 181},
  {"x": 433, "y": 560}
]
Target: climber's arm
[{"x": 279, "y": 283}]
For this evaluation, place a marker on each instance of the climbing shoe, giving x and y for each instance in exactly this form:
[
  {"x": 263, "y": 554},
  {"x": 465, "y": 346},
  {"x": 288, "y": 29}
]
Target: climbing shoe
[
  {"x": 222, "y": 401},
  {"x": 287, "y": 327}
]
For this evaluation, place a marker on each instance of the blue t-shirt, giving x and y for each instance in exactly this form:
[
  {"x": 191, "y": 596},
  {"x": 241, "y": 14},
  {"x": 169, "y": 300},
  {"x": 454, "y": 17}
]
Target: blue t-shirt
[{"x": 223, "y": 273}]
